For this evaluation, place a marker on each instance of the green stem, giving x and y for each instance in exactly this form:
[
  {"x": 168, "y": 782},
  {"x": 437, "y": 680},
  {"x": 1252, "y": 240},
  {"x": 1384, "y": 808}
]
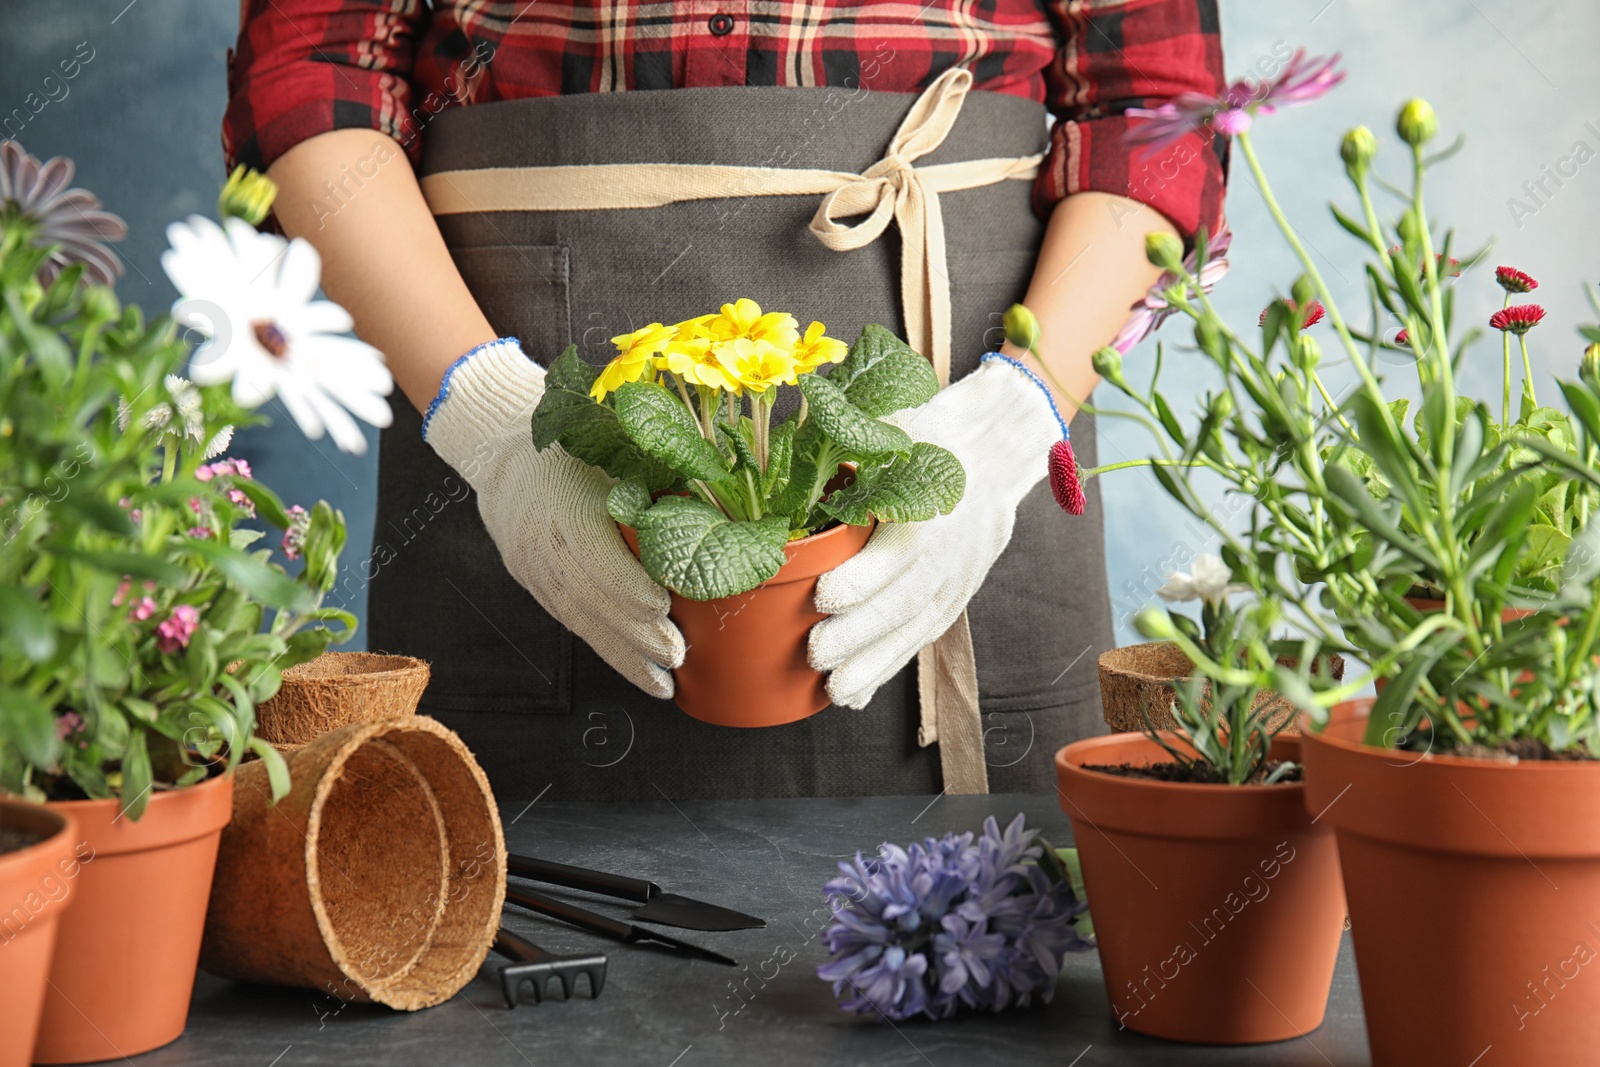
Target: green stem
[
  {"x": 1527, "y": 369},
  {"x": 169, "y": 463},
  {"x": 1505, "y": 366}
]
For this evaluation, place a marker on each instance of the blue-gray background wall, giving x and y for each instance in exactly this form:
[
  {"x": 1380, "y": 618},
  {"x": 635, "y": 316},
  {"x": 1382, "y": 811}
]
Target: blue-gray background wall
[{"x": 141, "y": 120}]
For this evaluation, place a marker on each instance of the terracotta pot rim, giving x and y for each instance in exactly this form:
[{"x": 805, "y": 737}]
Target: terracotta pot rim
[
  {"x": 60, "y": 825},
  {"x": 207, "y": 814},
  {"x": 1356, "y": 711},
  {"x": 1066, "y": 762}
]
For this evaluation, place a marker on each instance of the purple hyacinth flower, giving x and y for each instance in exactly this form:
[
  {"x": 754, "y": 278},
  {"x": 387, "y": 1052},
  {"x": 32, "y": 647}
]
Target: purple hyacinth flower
[{"x": 952, "y": 922}]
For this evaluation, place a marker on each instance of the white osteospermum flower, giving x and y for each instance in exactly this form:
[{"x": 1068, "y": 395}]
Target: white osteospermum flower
[
  {"x": 252, "y": 295},
  {"x": 1208, "y": 581}
]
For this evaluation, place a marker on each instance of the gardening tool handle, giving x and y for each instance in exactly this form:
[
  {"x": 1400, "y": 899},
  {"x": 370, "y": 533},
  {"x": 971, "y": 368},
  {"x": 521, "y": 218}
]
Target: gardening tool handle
[
  {"x": 595, "y": 923},
  {"x": 515, "y": 947},
  {"x": 562, "y": 874}
]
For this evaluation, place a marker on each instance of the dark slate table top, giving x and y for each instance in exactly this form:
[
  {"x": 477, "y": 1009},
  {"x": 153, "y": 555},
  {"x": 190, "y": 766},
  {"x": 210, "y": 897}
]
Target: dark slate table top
[{"x": 765, "y": 857}]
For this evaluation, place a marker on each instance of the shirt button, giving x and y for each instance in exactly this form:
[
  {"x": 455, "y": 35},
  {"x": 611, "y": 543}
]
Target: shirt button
[{"x": 721, "y": 25}]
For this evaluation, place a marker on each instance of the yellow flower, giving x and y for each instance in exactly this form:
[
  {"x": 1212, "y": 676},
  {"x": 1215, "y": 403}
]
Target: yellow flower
[
  {"x": 618, "y": 373},
  {"x": 642, "y": 344},
  {"x": 743, "y": 318},
  {"x": 757, "y": 365},
  {"x": 813, "y": 350},
  {"x": 689, "y": 356}
]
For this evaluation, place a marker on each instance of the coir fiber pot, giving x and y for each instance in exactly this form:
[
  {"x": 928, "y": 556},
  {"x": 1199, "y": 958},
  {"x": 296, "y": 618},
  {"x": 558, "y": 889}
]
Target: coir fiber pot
[
  {"x": 36, "y": 886},
  {"x": 339, "y": 688},
  {"x": 380, "y": 877},
  {"x": 746, "y": 663},
  {"x": 126, "y": 951},
  {"x": 1474, "y": 890},
  {"x": 1143, "y": 678},
  {"x": 1218, "y": 909}
]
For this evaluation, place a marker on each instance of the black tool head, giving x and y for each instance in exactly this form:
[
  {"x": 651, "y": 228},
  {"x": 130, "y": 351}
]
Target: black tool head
[
  {"x": 566, "y": 970},
  {"x": 670, "y": 909}
]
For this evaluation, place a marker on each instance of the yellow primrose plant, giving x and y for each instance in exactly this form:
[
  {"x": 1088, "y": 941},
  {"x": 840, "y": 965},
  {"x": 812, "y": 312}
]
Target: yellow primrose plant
[{"x": 683, "y": 417}]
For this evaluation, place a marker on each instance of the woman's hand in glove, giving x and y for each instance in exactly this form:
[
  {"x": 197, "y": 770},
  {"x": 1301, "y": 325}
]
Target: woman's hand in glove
[
  {"x": 547, "y": 514},
  {"x": 913, "y": 580}
]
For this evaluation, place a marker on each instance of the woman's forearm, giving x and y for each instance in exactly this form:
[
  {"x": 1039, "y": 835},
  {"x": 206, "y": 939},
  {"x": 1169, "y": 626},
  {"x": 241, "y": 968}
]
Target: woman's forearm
[
  {"x": 352, "y": 194},
  {"x": 1091, "y": 268}
]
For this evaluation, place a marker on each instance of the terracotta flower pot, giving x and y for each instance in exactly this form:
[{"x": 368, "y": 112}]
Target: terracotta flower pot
[
  {"x": 1473, "y": 887},
  {"x": 126, "y": 953},
  {"x": 1136, "y": 679},
  {"x": 746, "y": 664},
  {"x": 36, "y": 886},
  {"x": 339, "y": 688},
  {"x": 1218, "y": 909}
]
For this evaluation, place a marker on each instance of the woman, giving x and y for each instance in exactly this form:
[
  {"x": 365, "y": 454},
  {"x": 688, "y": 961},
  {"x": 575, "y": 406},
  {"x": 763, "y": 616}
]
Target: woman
[{"x": 537, "y": 221}]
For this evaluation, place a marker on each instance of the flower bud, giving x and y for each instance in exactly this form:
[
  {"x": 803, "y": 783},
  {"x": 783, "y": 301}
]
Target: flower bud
[
  {"x": 100, "y": 304},
  {"x": 1164, "y": 250},
  {"x": 248, "y": 195},
  {"x": 1154, "y": 623},
  {"x": 1108, "y": 364},
  {"x": 1306, "y": 352},
  {"x": 1022, "y": 329},
  {"x": 1589, "y": 369},
  {"x": 1416, "y": 124},
  {"x": 1209, "y": 337},
  {"x": 1357, "y": 150},
  {"x": 1222, "y": 405}
]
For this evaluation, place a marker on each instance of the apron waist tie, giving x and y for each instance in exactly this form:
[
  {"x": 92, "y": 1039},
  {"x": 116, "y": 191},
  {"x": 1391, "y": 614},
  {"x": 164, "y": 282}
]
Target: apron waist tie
[{"x": 892, "y": 189}]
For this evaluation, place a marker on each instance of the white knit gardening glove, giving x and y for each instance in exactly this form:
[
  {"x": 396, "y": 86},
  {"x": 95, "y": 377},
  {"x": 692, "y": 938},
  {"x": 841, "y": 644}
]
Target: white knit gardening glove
[
  {"x": 547, "y": 514},
  {"x": 913, "y": 579}
]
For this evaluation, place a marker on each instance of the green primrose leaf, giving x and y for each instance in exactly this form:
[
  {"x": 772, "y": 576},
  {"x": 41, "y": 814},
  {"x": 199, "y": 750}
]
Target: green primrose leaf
[
  {"x": 571, "y": 372},
  {"x": 591, "y": 433},
  {"x": 696, "y": 551},
  {"x": 914, "y": 488},
  {"x": 661, "y": 427},
  {"x": 628, "y": 499},
  {"x": 847, "y": 425},
  {"x": 883, "y": 374},
  {"x": 780, "y": 458}
]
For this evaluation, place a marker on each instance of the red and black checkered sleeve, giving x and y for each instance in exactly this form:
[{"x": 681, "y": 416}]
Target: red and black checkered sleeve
[
  {"x": 1121, "y": 54},
  {"x": 304, "y": 67}
]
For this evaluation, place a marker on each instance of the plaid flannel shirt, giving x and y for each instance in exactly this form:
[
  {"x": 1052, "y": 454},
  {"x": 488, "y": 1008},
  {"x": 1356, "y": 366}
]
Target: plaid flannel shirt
[{"x": 304, "y": 67}]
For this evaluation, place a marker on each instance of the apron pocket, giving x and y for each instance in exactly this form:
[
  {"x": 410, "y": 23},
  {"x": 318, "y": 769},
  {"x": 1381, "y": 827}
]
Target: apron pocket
[{"x": 524, "y": 293}]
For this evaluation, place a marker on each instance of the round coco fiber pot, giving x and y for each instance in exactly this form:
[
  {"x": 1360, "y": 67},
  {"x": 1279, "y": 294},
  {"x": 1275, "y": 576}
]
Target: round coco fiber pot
[
  {"x": 380, "y": 877},
  {"x": 746, "y": 663},
  {"x": 36, "y": 887},
  {"x": 1218, "y": 909},
  {"x": 1136, "y": 680},
  {"x": 1474, "y": 889},
  {"x": 339, "y": 688},
  {"x": 125, "y": 955}
]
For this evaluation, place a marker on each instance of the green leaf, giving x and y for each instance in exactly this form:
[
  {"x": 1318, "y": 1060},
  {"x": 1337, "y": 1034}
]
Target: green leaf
[
  {"x": 267, "y": 503},
  {"x": 928, "y": 482},
  {"x": 662, "y": 427},
  {"x": 696, "y": 551},
  {"x": 851, "y": 428},
  {"x": 24, "y": 625},
  {"x": 99, "y": 513},
  {"x": 1358, "y": 229},
  {"x": 883, "y": 374},
  {"x": 28, "y": 725},
  {"x": 592, "y": 434},
  {"x": 261, "y": 580},
  {"x": 131, "y": 564},
  {"x": 277, "y": 768},
  {"x": 739, "y": 440},
  {"x": 780, "y": 458},
  {"x": 628, "y": 500},
  {"x": 136, "y": 776},
  {"x": 571, "y": 372}
]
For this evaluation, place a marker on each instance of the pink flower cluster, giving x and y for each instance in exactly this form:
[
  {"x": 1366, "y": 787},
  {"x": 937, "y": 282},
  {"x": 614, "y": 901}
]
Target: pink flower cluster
[
  {"x": 232, "y": 468},
  {"x": 294, "y": 538},
  {"x": 176, "y": 629}
]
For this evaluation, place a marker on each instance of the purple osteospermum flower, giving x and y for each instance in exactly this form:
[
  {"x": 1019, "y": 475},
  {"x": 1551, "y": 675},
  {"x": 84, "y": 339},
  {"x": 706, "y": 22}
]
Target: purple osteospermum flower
[
  {"x": 69, "y": 219},
  {"x": 1151, "y": 311},
  {"x": 947, "y": 923},
  {"x": 1301, "y": 81}
]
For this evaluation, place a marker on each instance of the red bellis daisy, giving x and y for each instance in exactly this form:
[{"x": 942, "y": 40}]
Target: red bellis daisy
[
  {"x": 1064, "y": 482},
  {"x": 1313, "y": 313},
  {"x": 1518, "y": 318},
  {"x": 1513, "y": 280}
]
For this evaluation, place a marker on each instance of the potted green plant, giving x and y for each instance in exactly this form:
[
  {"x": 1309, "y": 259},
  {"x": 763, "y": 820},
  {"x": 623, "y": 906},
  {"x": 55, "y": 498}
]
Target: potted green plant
[
  {"x": 738, "y": 513},
  {"x": 1458, "y": 796},
  {"x": 142, "y": 624}
]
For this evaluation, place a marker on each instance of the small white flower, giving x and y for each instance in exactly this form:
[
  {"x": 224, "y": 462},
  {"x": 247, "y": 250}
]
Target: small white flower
[
  {"x": 1209, "y": 581},
  {"x": 252, "y": 296}
]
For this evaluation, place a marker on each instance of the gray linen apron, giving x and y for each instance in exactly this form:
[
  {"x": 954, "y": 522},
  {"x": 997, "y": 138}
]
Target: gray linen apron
[{"x": 535, "y": 704}]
